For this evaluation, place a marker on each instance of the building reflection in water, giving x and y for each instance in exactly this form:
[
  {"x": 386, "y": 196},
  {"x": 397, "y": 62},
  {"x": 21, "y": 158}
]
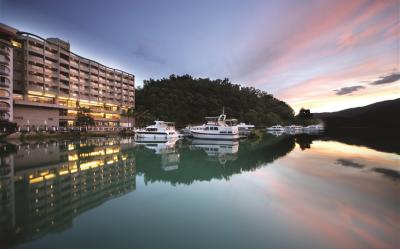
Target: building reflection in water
[{"x": 43, "y": 186}]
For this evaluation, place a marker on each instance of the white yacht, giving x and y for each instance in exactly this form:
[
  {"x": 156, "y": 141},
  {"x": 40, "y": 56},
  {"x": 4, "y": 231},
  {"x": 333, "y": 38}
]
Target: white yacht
[
  {"x": 275, "y": 128},
  {"x": 245, "y": 128},
  {"x": 215, "y": 128},
  {"x": 159, "y": 131}
]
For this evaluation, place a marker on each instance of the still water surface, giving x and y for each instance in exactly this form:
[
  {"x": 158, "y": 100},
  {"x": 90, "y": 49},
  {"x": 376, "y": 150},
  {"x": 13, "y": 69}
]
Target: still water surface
[{"x": 275, "y": 192}]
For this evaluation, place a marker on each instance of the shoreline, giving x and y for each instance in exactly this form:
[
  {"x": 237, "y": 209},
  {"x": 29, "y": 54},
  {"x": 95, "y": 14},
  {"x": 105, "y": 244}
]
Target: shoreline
[{"x": 70, "y": 134}]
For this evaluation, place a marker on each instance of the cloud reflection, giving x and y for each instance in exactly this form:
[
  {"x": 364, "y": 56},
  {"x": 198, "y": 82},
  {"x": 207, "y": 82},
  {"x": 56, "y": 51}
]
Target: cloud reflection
[{"x": 338, "y": 207}]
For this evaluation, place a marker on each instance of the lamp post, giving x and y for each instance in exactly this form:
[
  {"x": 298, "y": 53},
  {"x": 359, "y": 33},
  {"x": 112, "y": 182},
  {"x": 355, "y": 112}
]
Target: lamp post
[{"x": 27, "y": 122}]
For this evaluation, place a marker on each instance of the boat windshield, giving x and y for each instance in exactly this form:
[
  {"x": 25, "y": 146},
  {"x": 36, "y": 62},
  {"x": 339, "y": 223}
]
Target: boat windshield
[
  {"x": 231, "y": 122},
  {"x": 151, "y": 129}
]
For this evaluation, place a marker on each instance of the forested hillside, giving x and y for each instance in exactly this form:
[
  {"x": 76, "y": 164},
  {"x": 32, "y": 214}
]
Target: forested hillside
[{"x": 187, "y": 100}]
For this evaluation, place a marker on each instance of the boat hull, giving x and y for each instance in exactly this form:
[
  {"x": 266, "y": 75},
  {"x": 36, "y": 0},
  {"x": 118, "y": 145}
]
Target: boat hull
[
  {"x": 215, "y": 136},
  {"x": 144, "y": 136}
]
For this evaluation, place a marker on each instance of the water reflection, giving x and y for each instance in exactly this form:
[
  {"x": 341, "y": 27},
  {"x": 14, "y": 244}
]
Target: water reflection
[
  {"x": 285, "y": 186},
  {"x": 349, "y": 192},
  {"x": 44, "y": 186},
  {"x": 166, "y": 149},
  {"x": 217, "y": 150},
  {"x": 202, "y": 160}
]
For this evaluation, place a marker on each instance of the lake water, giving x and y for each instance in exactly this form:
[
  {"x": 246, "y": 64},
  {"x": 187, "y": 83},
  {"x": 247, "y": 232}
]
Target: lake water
[{"x": 274, "y": 192}]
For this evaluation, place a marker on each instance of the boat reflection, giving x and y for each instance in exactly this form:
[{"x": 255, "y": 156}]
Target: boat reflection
[
  {"x": 276, "y": 132},
  {"x": 44, "y": 186},
  {"x": 201, "y": 160},
  {"x": 217, "y": 150},
  {"x": 166, "y": 149}
]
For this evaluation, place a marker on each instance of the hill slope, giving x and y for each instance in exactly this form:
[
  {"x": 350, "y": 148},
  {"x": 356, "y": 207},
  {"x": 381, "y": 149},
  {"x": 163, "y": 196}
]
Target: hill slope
[
  {"x": 380, "y": 114},
  {"x": 187, "y": 100}
]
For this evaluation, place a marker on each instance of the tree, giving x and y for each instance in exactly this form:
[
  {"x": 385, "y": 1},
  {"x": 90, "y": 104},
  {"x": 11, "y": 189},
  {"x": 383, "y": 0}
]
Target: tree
[
  {"x": 83, "y": 118},
  {"x": 187, "y": 100},
  {"x": 142, "y": 116},
  {"x": 130, "y": 113},
  {"x": 305, "y": 118},
  {"x": 305, "y": 114}
]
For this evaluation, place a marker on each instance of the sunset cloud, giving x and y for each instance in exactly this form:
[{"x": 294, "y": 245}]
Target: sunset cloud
[
  {"x": 340, "y": 42},
  {"x": 298, "y": 56},
  {"x": 387, "y": 79},
  {"x": 348, "y": 90}
]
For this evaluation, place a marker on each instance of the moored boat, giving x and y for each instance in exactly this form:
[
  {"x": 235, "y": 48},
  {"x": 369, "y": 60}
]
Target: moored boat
[
  {"x": 215, "y": 128},
  {"x": 245, "y": 127},
  {"x": 159, "y": 131}
]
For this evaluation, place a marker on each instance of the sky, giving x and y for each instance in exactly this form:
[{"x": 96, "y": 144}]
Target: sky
[{"x": 318, "y": 54}]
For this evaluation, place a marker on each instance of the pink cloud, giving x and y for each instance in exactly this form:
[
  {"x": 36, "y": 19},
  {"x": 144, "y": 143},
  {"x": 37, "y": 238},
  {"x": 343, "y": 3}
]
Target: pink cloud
[
  {"x": 316, "y": 23},
  {"x": 328, "y": 32}
]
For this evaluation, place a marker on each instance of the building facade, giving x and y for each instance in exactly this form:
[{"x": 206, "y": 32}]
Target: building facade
[{"x": 43, "y": 83}]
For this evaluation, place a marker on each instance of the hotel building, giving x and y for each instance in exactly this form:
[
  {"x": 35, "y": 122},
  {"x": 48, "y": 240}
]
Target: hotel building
[{"x": 43, "y": 83}]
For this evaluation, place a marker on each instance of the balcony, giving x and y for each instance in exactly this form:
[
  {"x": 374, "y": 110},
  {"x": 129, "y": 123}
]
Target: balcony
[
  {"x": 39, "y": 60},
  {"x": 84, "y": 97},
  {"x": 4, "y": 70},
  {"x": 73, "y": 71},
  {"x": 4, "y": 59},
  {"x": 36, "y": 49},
  {"x": 4, "y": 49},
  {"x": 74, "y": 87},
  {"x": 50, "y": 54},
  {"x": 51, "y": 73},
  {"x": 49, "y": 63},
  {"x": 84, "y": 68},
  {"x": 4, "y": 107},
  {"x": 4, "y": 94},
  {"x": 64, "y": 86},
  {"x": 4, "y": 81},
  {"x": 74, "y": 64},
  {"x": 50, "y": 81},
  {"x": 35, "y": 68},
  {"x": 63, "y": 77},
  {"x": 4, "y": 116},
  {"x": 36, "y": 78},
  {"x": 74, "y": 80},
  {"x": 62, "y": 60}
]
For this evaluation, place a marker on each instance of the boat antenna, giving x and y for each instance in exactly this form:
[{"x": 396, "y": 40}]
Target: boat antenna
[{"x": 223, "y": 110}]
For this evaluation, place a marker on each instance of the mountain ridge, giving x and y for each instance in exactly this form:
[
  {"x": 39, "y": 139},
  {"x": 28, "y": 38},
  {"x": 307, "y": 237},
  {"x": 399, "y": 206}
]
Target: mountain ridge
[{"x": 380, "y": 114}]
